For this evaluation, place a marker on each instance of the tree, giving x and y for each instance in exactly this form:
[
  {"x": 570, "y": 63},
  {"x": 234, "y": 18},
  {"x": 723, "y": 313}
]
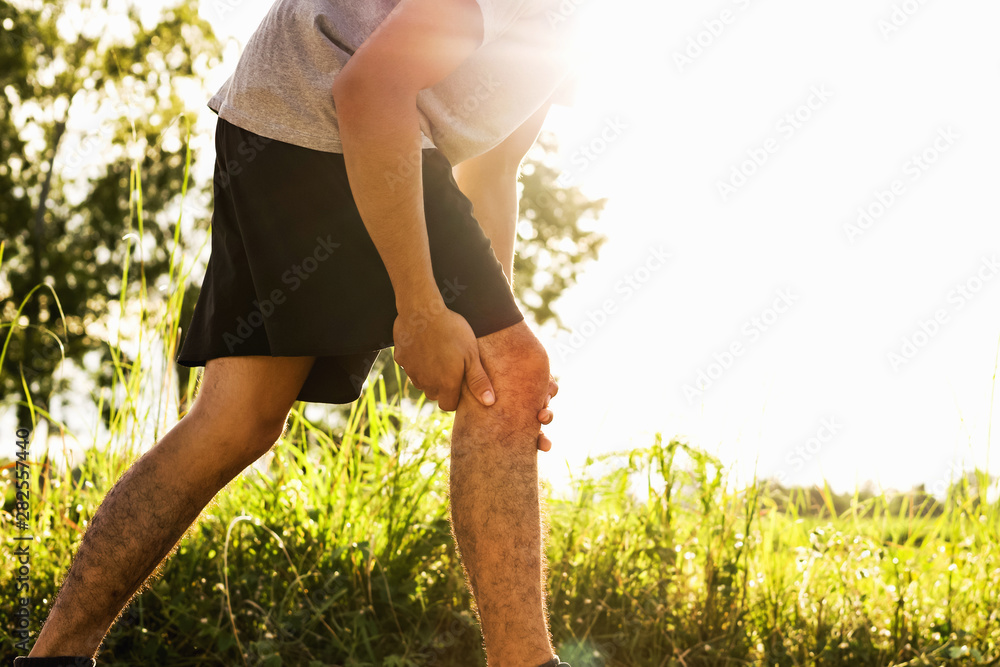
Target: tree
[
  {"x": 88, "y": 93},
  {"x": 553, "y": 246}
]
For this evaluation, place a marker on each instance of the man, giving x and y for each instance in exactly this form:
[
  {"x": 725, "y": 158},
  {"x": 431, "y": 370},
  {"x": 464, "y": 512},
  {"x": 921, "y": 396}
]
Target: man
[{"x": 339, "y": 229}]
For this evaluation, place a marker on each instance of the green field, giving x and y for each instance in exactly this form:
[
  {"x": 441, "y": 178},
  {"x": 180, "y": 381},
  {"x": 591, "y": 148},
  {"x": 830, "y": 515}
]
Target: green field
[{"x": 336, "y": 550}]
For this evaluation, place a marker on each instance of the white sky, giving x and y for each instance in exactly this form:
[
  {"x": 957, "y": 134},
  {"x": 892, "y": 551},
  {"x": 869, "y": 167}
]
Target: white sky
[
  {"x": 826, "y": 358},
  {"x": 812, "y": 392},
  {"x": 664, "y": 133}
]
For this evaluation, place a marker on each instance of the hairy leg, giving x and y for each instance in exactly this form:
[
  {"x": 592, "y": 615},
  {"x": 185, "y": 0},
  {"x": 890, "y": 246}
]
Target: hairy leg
[
  {"x": 239, "y": 413},
  {"x": 494, "y": 499}
]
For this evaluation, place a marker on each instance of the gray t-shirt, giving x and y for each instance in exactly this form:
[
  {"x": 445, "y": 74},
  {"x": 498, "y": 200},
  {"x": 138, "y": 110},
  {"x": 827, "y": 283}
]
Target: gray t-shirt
[{"x": 281, "y": 88}]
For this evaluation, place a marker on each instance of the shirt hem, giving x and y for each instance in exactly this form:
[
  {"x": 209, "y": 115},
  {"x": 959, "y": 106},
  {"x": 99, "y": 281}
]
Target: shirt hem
[{"x": 287, "y": 134}]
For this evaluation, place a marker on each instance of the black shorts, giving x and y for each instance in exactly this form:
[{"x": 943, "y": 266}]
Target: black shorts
[{"x": 293, "y": 271}]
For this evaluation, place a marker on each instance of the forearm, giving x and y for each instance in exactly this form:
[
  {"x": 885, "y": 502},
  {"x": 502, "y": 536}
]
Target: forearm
[
  {"x": 493, "y": 193},
  {"x": 380, "y": 134}
]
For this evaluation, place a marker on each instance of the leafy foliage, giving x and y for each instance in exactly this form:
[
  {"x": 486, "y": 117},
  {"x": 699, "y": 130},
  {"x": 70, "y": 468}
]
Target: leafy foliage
[
  {"x": 336, "y": 550},
  {"x": 89, "y": 91},
  {"x": 554, "y": 242}
]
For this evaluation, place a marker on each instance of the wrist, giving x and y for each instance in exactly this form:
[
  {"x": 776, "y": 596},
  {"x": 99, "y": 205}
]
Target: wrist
[{"x": 421, "y": 299}]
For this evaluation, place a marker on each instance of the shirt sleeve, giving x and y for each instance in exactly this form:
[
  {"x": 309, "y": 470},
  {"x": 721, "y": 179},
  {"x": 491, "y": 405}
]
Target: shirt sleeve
[{"x": 498, "y": 15}]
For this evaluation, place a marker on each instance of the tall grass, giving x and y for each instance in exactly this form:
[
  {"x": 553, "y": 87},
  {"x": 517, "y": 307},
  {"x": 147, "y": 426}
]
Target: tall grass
[{"x": 335, "y": 549}]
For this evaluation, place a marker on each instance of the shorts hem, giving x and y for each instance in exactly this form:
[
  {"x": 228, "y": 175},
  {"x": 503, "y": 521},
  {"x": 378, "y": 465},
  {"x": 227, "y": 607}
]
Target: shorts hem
[{"x": 191, "y": 359}]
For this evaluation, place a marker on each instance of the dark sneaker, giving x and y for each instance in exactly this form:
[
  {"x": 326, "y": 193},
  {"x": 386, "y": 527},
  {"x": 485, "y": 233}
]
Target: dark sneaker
[{"x": 555, "y": 662}]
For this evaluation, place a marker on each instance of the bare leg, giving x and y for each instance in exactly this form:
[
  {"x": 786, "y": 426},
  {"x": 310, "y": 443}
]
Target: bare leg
[
  {"x": 494, "y": 499},
  {"x": 239, "y": 413}
]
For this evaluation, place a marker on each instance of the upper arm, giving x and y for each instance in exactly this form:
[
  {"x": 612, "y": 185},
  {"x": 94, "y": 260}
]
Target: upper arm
[{"x": 417, "y": 45}]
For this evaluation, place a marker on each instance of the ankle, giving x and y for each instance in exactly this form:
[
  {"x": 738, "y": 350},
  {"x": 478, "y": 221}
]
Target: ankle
[
  {"x": 555, "y": 662},
  {"x": 51, "y": 646},
  {"x": 521, "y": 656}
]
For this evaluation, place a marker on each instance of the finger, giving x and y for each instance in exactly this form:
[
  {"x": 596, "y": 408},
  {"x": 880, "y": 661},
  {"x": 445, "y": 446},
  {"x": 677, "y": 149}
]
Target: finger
[
  {"x": 553, "y": 387},
  {"x": 545, "y": 416},
  {"x": 544, "y": 444},
  {"x": 448, "y": 400},
  {"x": 478, "y": 381},
  {"x": 450, "y": 395}
]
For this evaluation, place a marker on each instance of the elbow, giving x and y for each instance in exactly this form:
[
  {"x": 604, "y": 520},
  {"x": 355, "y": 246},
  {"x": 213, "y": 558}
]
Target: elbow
[
  {"x": 342, "y": 92},
  {"x": 356, "y": 106},
  {"x": 362, "y": 90},
  {"x": 352, "y": 91}
]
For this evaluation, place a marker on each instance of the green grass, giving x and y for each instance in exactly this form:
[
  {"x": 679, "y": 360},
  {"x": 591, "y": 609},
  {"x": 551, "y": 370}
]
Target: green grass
[{"x": 336, "y": 550}]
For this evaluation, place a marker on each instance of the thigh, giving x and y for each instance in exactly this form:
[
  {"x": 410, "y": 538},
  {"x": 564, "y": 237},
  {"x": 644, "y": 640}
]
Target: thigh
[{"x": 251, "y": 392}]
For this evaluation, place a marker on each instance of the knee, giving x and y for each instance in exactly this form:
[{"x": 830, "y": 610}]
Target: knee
[
  {"x": 245, "y": 432},
  {"x": 518, "y": 366},
  {"x": 529, "y": 362}
]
